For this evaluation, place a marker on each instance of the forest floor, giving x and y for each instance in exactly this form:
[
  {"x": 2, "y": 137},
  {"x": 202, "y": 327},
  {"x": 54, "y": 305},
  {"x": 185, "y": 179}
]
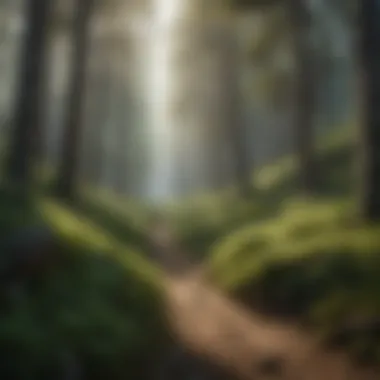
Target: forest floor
[
  {"x": 301, "y": 256},
  {"x": 243, "y": 342}
]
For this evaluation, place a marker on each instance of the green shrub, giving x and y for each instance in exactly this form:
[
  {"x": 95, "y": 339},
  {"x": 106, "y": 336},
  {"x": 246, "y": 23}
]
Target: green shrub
[
  {"x": 91, "y": 305},
  {"x": 101, "y": 302},
  {"x": 295, "y": 262}
]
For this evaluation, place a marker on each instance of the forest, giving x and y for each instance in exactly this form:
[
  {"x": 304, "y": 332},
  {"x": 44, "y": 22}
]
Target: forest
[{"x": 189, "y": 189}]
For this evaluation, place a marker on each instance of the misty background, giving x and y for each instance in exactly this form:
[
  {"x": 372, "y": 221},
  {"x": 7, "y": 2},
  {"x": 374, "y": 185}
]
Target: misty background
[{"x": 156, "y": 138}]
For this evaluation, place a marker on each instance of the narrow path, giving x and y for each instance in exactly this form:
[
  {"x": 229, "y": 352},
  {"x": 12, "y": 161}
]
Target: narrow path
[{"x": 211, "y": 325}]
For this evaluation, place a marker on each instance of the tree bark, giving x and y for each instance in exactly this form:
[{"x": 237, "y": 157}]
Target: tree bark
[
  {"x": 28, "y": 109},
  {"x": 68, "y": 170},
  {"x": 369, "y": 53}
]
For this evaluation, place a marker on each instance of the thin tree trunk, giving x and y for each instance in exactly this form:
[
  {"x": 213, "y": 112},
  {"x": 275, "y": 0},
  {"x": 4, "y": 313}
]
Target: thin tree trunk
[
  {"x": 305, "y": 93},
  {"x": 100, "y": 111},
  {"x": 68, "y": 170},
  {"x": 234, "y": 111},
  {"x": 124, "y": 105},
  {"x": 120, "y": 104},
  {"x": 29, "y": 98},
  {"x": 369, "y": 45}
]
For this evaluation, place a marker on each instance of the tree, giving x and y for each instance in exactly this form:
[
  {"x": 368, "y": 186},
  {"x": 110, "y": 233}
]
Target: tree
[
  {"x": 123, "y": 108},
  {"x": 304, "y": 93},
  {"x": 99, "y": 91},
  {"x": 229, "y": 74},
  {"x": 299, "y": 17},
  {"x": 29, "y": 98},
  {"x": 68, "y": 169},
  {"x": 369, "y": 53}
]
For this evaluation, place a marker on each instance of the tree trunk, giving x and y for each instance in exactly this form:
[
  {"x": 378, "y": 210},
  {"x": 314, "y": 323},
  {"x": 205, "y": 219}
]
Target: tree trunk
[
  {"x": 118, "y": 158},
  {"x": 233, "y": 111},
  {"x": 67, "y": 173},
  {"x": 304, "y": 94},
  {"x": 124, "y": 105},
  {"x": 99, "y": 112},
  {"x": 28, "y": 109},
  {"x": 369, "y": 45}
]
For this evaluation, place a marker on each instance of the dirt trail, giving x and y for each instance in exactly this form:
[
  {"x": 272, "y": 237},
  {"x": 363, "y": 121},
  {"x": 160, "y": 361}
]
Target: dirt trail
[{"x": 210, "y": 324}]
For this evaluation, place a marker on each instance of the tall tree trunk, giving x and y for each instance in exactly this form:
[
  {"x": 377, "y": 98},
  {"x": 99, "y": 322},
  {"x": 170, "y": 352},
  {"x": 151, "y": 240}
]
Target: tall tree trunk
[
  {"x": 99, "y": 112},
  {"x": 67, "y": 173},
  {"x": 123, "y": 105},
  {"x": 234, "y": 109},
  {"x": 304, "y": 94},
  {"x": 369, "y": 45},
  {"x": 28, "y": 109}
]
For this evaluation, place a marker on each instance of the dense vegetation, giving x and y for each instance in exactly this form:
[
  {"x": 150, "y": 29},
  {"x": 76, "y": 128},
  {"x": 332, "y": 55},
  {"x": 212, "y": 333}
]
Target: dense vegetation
[
  {"x": 98, "y": 301},
  {"x": 308, "y": 259}
]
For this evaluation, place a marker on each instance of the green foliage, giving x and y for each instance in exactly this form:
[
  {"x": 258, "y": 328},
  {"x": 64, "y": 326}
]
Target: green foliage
[
  {"x": 125, "y": 218},
  {"x": 206, "y": 219},
  {"x": 313, "y": 262},
  {"x": 92, "y": 307},
  {"x": 296, "y": 229},
  {"x": 101, "y": 303},
  {"x": 16, "y": 210},
  {"x": 286, "y": 240},
  {"x": 308, "y": 259},
  {"x": 80, "y": 230}
]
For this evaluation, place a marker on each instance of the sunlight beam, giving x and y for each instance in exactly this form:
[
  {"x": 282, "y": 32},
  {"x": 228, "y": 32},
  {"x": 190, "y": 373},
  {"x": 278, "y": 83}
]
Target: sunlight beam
[{"x": 166, "y": 15}]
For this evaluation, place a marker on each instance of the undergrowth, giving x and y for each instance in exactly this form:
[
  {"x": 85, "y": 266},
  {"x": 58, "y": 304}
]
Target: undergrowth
[{"x": 101, "y": 303}]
